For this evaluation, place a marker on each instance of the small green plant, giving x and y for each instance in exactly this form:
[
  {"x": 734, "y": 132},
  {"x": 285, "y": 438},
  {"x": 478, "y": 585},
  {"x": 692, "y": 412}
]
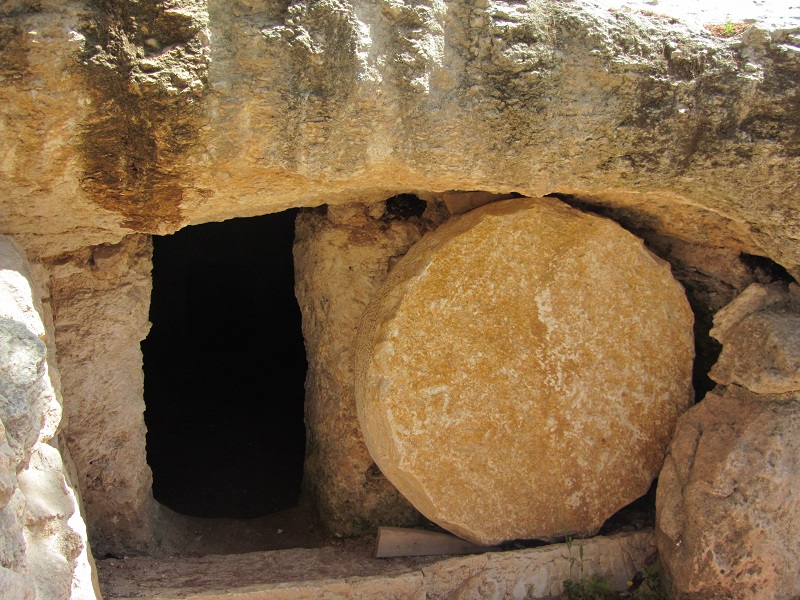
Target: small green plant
[
  {"x": 729, "y": 28},
  {"x": 593, "y": 588},
  {"x": 651, "y": 587}
]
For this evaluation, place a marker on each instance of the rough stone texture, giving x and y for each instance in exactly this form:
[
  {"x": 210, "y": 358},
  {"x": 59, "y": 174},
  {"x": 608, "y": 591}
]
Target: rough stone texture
[
  {"x": 728, "y": 501},
  {"x": 519, "y": 373},
  {"x": 55, "y": 534},
  {"x": 704, "y": 248},
  {"x": 519, "y": 574},
  {"x": 760, "y": 333},
  {"x": 707, "y": 252},
  {"x": 101, "y": 299},
  {"x": 460, "y": 202},
  {"x": 150, "y": 115},
  {"x": 25, "y": 390},
  {"x": 341, "y": 258},
  {"x": 147, "y": 115},
  {"x": 43, "y": 548},
  {"x": 540, "y": 572}
]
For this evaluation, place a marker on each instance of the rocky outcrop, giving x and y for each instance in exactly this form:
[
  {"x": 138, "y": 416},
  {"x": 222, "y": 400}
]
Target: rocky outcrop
[
  {"x": 342, "y": 256},
  {"x": 150, "y": 115},
  {"x": 729, "y": 499},
  {"x": 519, "y": 373},
  {"x": 144, "y": 116},
  {"x": 43, "y": 546},
  {"x": 101, "y": 299},
  {"x": 728, "y": 496}
]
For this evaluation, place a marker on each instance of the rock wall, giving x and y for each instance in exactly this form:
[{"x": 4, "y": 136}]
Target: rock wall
[
  {"x": 342, "y": 255},
  {"x": 150, "y": 115},
  {"x": 43, "y": 547},
  {"x": 101, "y": 301}
]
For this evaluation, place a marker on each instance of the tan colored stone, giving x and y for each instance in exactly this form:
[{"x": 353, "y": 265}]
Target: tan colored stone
[
  {"x": 460, "y": 202},
  {"x": 237, "y": 108},
  {"x": 340, "y": 259},
  {"x": 520, "y": 372},
  {"x": 540, "y": 572},
  {"x": 728, "y": 501},
  {"x": 760, "y": 334},
  {"x": 350, "y": 571},
  {"x": 101, "y": 301}
]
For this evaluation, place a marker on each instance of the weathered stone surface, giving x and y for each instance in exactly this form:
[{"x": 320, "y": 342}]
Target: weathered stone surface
[
  {"x": 17, "y": 300},
  {"x": 728, "y": 501},
  {"x": 341, "y": 258},
  {"x": 53, "y": 547},
  {"x": 8, "y": 468},
  {"x": 540, "y": 572},
  {"x": 760, "y": 333},
  {"x": 43, "y": 547},
  {"x": 101, "y": 300},
  {"x": 20, "y": 303},
  {"x": 24, "y": 393},
  {"x": 150, "y": 115},
  {"x": 15, "y": 585},
  {"x": 520, "y": 372},
  {"x": 460, "y": 202},
  {"x": 12, "y": 540},
  {"x": 147, "y": 115},
  {"x": 351, "y": 571}
]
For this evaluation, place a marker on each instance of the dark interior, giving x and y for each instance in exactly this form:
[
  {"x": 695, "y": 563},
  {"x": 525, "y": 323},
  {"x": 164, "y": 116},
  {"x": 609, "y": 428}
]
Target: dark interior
[{"x": 224, "y": 369}]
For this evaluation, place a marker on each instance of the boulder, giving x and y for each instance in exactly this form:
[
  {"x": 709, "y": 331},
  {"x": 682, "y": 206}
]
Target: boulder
[
  {"x": 760, "y": 333},
  {"x": 520, "y": 372},
  {"x": 728, "y": 500}
]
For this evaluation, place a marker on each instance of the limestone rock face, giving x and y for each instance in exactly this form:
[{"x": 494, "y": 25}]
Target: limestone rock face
[
  {"x": 520, "y": 372},
  {"x": 341, "y": 258},
  {"x": 23, "y": 389},
  {"x": 147, "y": 115},
  {"x": 728, "y": 500},
  {"x": 760, "y": 333},
  {"x": 43, "y": 547},
  {"x": 101, "y": 301}
]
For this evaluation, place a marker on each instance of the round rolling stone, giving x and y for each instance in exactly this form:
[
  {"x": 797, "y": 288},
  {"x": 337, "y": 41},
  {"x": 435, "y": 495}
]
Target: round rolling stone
[{"x": 520, "y": 372}]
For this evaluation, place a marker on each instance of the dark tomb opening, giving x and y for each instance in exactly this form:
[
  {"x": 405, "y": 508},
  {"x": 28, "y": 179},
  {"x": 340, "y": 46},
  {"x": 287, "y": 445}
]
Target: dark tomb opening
[{"x": 224, "y": 369}]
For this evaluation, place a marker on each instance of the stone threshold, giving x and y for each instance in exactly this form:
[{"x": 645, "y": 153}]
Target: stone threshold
[{"x": 349, "y": 570}]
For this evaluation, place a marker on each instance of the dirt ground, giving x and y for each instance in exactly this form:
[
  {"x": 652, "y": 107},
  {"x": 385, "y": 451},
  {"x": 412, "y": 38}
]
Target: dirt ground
[{"x": 182, "y": 536}]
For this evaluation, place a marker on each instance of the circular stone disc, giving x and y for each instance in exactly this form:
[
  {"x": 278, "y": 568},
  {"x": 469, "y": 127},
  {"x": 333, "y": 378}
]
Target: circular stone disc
[{"x": 520, "y": 372}]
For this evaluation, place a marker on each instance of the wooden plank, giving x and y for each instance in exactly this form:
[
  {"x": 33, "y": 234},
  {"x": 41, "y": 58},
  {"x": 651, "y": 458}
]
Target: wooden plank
[{"x": 398, "y": 541}]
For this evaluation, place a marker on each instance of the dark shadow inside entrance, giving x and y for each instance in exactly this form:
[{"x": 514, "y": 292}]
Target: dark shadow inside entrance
[{"x": 224, "y": 369}]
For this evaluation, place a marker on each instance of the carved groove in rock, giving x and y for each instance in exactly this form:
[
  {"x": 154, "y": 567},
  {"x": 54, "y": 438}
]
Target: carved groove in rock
[{"x": 520, "y": 372}]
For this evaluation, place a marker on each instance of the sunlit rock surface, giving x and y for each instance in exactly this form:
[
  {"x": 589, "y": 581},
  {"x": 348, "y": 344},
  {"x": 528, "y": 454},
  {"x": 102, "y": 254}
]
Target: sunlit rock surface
[{"x": 519, "y": 373}]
